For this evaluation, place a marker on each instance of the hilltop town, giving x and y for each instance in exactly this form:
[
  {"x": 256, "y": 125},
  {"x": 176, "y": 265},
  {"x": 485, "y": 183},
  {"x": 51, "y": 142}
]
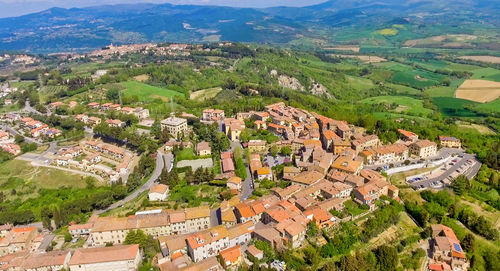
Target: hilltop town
[{"x": 327, "y": 172}]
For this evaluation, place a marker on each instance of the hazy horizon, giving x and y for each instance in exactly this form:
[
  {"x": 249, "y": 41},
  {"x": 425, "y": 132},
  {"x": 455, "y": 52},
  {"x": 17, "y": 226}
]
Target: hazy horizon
[{"x": 14, "y": 8}]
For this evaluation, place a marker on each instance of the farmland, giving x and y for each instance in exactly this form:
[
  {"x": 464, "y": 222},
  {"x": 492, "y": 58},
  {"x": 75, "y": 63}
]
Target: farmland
[
  {"x": 412, "y": 77},
  {"x": 450, "y": 106},
  {"x": 147, "y": 93},
  {"x": 487, "y": 59},
  {"x": 481, "y": 91},
  {"x": 205, "y": 94}
]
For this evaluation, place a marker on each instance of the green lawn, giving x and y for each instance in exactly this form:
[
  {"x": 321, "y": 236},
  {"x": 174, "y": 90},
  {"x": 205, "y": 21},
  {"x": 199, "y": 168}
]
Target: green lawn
[
  {"x": 406, "y": 105},
  {"x": 185, "y": 154},
  {"x": 147, "y": 93}
]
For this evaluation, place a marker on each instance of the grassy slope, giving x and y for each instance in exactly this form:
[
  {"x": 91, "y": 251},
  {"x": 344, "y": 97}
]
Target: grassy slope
[
  {"x": 407, "y": 105},
  {"x": 147, "y": 92}
]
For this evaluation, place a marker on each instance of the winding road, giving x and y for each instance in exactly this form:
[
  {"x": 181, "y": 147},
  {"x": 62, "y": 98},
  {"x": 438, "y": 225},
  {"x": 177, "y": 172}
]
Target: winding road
[{"x": 161, "y": 160}]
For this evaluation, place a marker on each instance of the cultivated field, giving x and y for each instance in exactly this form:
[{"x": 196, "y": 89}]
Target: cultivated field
[
  {"x": 142, "y": 78},
  {"x": 351, "y": 48},
  {"x": 481, "y": 91},
  {"x": 205, "y": 94},
  {"x": 480, "y": 128},
  {"x": 364, "y": 58},
  {"x": 447, "y": 41},
  {"x": 405, "y": 105},
  {"x": 487, "y": 59}
]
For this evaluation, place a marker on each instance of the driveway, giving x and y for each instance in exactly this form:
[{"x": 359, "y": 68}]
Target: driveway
[{"x": 145, "y": 187}]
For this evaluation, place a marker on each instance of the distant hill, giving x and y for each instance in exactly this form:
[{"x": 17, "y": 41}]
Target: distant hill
[{"x": 84, "y": 29}]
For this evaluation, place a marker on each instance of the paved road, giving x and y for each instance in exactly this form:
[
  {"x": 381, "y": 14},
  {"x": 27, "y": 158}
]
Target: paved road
[
  {"x": 156, "y": 174},
  {"x": 247, "y": 186},
  {"x": 28, "y": 108},
  {"x": 15, "y": 132},
  {"x": 470, "y": 173}
]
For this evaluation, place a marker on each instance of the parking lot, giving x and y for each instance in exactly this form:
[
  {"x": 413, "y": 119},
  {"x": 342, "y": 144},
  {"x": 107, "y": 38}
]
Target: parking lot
[{"x": 464, "y": 164}]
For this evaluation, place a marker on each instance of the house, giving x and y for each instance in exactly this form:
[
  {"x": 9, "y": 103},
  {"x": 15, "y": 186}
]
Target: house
[
  {"x": 174, "y": 126},
  {"x": 340, "y": 146},
  {"x": 320, "y": 217},
  {"x": 290, "y": 172},
  {"x": 212, "y": 115},
  {"x": 227, "y": 162},
  {"x": 94, "y": 105},
  {"x": 141, "y": 113},
  {"x": 365, "y": 143},
  {"x": 268, "y": 234},
  {"x": 92, "y": 121},
  {"x": 307, "y": 178},
  {"x": 233, "y": 128},
  {"x": 231, "y": 257},
  {"x": 115, "y": 123},
  {"x": 115, "y": 107},
  {"x": 17, "y": 240},
  {"x": 53, "y": 260},
  {"x": 11, "y": 148},
  {"x": 292, "y": 232},
  {"x": 158, "y": 192},
  {"x": 72, "y": 104},
  {"x": 257, "y": 146},
  {"x": 203, "y": 149},
  {"x": 255, "y": 252},
  {"x": 124, "y": 257},
  {"x": 347, "y": 165},
  {"x": 173, "y": 246},
  {"x": 390, "y": 154},
  {"x": 78, "y": 230},
  {"x": 53, "y": 133},
  {"x": 207, "y": 243},
  {"x": 285, "y": 193},
  {"x": 105, "y": 106},
  {"x": 240, "y": 234},
  {"x": 82, "y": 117},
  {"x": 264, "y": 173},
  {"x": 197, "y": 218},
  {"x": 446, "y": 249},
  {"x": 423, "y": 148},
  {"x": 4, "y": 136},
  {"x": 55, "y": 105},
  {"x": 450, "y": 142},
  {"x": 234, "y": 183},
  {"x": 408, "y": 136}
]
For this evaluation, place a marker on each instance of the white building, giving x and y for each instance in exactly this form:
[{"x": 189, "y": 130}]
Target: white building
[
  {"x": 174, "y": 126},
  {"x": 158, "y": 192}
]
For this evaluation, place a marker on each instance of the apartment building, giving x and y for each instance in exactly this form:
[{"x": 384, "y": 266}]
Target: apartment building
[
  {"x": 106, "y": 258},
  {"x": 233, "y": 128},
  {"x": 212, "y": 115},
  {"x": 174, "y": 126},
  {"x": 257, "y": 146},
  {"x": 49, "y": 261},
  {"x": 408, "y": 136},
  {"x": 365, "y": 143},
  {"x": 19, "y": 239},
  {"x": 197, "y": 218},
  {"x": 423, "y": 148},
  {"x": 208, "y": 243},
  {"x": 390, "y": 154},
  {"x": 450, "y": 142}
]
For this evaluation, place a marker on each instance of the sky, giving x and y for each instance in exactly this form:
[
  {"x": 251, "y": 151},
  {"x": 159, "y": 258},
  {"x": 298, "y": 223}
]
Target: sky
[{"x": 13, "y": 8}]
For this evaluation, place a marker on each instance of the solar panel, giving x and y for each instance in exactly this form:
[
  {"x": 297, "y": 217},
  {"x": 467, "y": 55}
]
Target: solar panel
[{"x": 457, "y": 247}]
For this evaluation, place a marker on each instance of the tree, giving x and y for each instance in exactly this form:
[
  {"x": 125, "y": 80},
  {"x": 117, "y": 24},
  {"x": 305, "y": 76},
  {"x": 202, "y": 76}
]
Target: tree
[
  {"x": 113, "y": 94},
  {"x": 387, "y": 258},
  {"x": 460, "y": 185},
  {"x": 274, "y": 150},
  {"x": 468, "y": 243},
  {"x": 286, "y": 150},
  {"x": 312, "y": 229}
]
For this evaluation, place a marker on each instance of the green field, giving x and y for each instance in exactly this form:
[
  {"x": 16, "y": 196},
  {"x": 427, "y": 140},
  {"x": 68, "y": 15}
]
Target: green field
[
  {"x": 359, "y": 83},
  {"x": 450, "y": 106},
  {"x": 147, "y": 93},
  {"x": 489, "y": 107},
  {"x": 20, "y": 175},
  {"x": 444, "y": 91},
  {"x": 486, "y": 74},
  {"x": 405, "y": 105},
  {"x": 409, "y": 76}
]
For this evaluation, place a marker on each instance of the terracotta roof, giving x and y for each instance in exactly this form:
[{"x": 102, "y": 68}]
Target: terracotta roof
[
  {"x": 104, "y": 254},
  {"x": 407, "y": 134},
  {"x": 235, "y": 180},
  {"x": 245, "y": 210},
  {"x": 197, "y": 212},
  {"x": 231, "y": 254},
  {"x": 424, "y": 143},
  {"x": 308, "y": 177},
  {"x": 395, "y": 148},
  {"x": 52, "y": 258},
  {"x": 264, "y": 171},
  {"x": 159, "y": 188},
  {"x": 254, "y": 251},
  {"x": 346, "y": 164}
]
